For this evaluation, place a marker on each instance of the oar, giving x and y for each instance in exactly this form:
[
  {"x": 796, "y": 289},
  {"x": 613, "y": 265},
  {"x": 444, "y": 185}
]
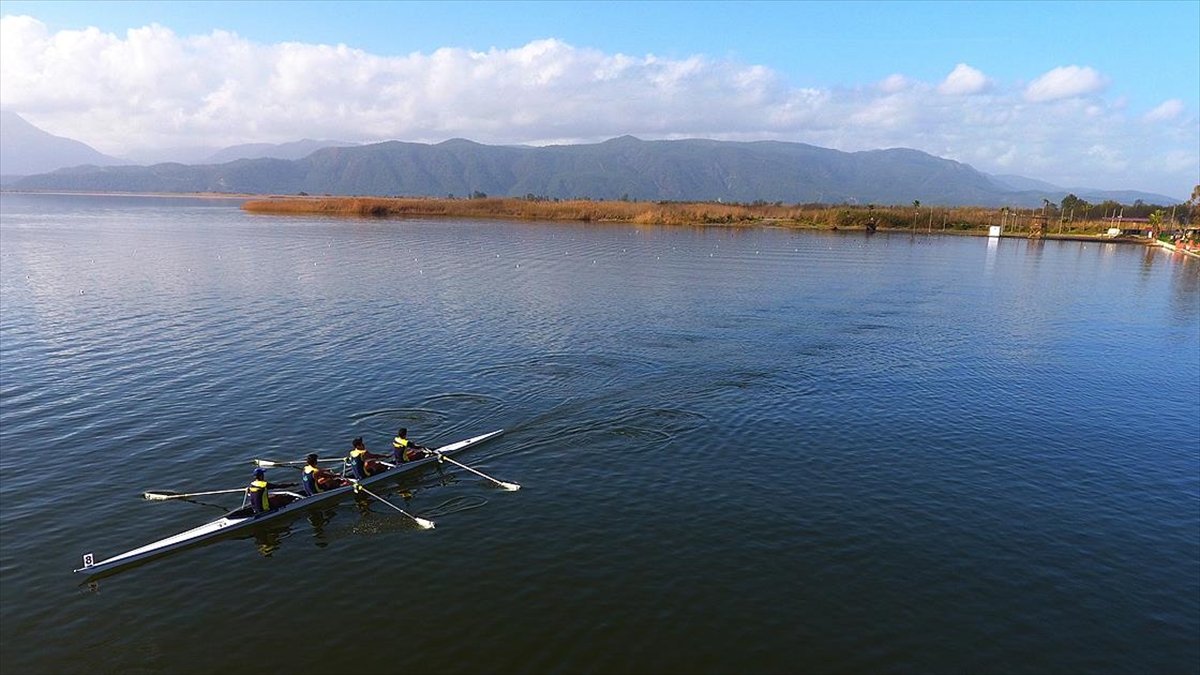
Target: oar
[
  {"x": 425, "y": 524},
  {"x": 163, "y": 495},
  {"x": 506, "y": 486},
  {"x": 266, "y": 463}
]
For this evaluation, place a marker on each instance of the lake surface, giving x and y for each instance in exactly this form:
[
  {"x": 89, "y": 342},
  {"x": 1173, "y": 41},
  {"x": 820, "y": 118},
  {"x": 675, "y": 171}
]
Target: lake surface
[{"x": 741, "y": 450}]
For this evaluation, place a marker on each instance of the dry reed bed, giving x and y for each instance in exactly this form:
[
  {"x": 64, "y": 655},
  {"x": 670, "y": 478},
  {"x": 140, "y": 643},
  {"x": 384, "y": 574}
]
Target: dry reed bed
[{"x": 960, "y": 219}]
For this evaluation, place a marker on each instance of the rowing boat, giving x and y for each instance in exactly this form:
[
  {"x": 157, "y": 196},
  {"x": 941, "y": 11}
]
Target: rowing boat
[{"x": 243, "y": 518}]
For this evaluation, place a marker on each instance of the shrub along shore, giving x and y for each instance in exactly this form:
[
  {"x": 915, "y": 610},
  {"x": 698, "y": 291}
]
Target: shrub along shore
[{"x": 958, "y": 220}]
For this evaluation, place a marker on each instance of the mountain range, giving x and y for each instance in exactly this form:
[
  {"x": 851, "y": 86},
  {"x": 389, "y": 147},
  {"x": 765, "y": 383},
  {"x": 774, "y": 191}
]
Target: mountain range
[
  {"x": 293, "y": 150},
  {"x": 26, "y": 149},
  {"x": 620, "y": 168}
]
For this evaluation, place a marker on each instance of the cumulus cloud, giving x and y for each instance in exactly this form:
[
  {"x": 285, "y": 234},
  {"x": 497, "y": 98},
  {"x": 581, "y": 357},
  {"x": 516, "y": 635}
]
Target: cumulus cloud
[
  {"x": 963, "y": 81},
  {"x": 1065, "y": 82},
  {"x": 1169, "y": 110},
  {"x": 154, "y": 87},
  {"x": 893, "y": 84},
  {"x": 151, "y": 88}
]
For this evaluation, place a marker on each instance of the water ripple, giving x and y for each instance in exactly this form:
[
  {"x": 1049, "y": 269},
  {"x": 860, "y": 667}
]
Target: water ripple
[{"x": 740, "y": 450}]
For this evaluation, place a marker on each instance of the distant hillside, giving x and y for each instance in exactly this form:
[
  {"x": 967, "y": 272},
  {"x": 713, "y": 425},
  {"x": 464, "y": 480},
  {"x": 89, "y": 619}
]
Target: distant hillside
[
  {"x": 293, "y": 150},
  {"x": 1090, "y": 195},
  {"x": 621, "y": 168},
  {"x": 1021, "y": 183},
  {"x": 26, "y": 149}
]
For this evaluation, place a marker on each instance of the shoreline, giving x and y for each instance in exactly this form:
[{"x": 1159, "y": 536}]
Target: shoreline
[
  {"x": 956, "y": 221},
  {"x": 686, "y": 214},
  {"x": 176, "y": 195}
]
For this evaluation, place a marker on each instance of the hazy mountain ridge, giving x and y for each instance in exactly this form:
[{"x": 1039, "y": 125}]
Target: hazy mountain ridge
[
  {"x": 26, "y": 149},
  {"x": 620, "y": 168},
  {"x": 293, "y": 150}
]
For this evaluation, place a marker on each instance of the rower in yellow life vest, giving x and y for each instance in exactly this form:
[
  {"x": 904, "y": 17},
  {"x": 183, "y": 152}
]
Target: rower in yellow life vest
[
  {"x": 317, "y": 479},
  {"x": 260, "y": 500},
  {"x": 404, "y": 450},
  {"x": 363, "y": 462}
]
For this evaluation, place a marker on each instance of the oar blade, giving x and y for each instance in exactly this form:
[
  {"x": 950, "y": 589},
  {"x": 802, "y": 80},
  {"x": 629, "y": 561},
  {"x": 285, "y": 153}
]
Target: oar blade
[
  {"x": 506, "y": 485},
  {"x": 421, "y": 522},
  {"x": 267, "y": 463},
  {"x": 160, "y": 496}
]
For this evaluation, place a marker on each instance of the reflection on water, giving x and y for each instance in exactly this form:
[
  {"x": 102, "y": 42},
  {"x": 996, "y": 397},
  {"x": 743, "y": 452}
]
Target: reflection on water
[
  {"x": 993, "y": 245},
  {"x": 319, "y": 518},
  {"x": 739, "y": 449},
  {"x": 268, "y": 540}
]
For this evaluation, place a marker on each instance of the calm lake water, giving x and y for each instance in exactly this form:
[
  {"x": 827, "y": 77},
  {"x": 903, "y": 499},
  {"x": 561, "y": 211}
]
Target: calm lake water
[{"x": 740, "y": 450}]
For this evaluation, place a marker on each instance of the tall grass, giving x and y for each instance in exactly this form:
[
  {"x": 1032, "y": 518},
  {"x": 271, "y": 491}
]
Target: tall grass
[{"x": 818, "y": 216}]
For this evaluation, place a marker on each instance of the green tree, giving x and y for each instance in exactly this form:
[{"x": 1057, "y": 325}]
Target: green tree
[
  {"x": 1110, "y": 207},
  {"x": 1072, "y": 202},
  {"x": 1156, "y": 220}
]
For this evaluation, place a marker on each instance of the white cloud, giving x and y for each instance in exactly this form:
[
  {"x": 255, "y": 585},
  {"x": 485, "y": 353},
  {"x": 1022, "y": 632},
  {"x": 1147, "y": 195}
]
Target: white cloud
[
  {"x": 894, "y": 84},
  {"x": 1177, "y": 160},
  {"x": 151, "y": 88},
  {"x": 1109, "y": 157},
  {"x": 1169, "y": 110},
  {"x": 1065, "y": 82},
  {"x": 964, "y": 80}
]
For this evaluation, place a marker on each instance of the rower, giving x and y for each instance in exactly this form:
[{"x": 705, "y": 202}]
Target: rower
[
  {"x": 363, "y": 463},
  {"x": 317, "y": 479},
  {"x": 404, "y": 450},
  {"x": 260, "y": 501}
]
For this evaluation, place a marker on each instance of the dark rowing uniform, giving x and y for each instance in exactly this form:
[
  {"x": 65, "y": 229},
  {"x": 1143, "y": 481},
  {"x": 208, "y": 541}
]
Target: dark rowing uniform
[
  {"x": 404, "y": 451},
  {"x": 311, "y": 486},
  {"x": 399, "y": 446},
  {"x": 358, "y": 463},
  {"x": 260, "y": 503}
]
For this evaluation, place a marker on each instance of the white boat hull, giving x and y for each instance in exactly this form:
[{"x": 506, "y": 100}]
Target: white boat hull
[{"x": 239, "y": 519}]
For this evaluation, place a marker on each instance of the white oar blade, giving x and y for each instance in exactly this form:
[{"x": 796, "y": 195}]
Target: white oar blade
[
  {"x": 503, "y": 484},
  {"x": 421, "y": 522},
  {"x": 267, "y": 463},
  {"x": 157, "y": 496}
]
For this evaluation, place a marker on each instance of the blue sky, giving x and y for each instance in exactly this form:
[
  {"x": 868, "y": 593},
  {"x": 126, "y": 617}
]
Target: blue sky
[{"x": 1097, "y": 94}]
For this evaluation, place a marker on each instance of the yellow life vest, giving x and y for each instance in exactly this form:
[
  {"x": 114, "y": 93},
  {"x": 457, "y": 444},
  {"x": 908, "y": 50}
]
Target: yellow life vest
[
  {"x": 258, "y": 490},
  {"x": 310, "y": 478}
]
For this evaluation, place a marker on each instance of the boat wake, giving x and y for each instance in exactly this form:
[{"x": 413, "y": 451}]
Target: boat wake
[{"x": 457, "y": 505}]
